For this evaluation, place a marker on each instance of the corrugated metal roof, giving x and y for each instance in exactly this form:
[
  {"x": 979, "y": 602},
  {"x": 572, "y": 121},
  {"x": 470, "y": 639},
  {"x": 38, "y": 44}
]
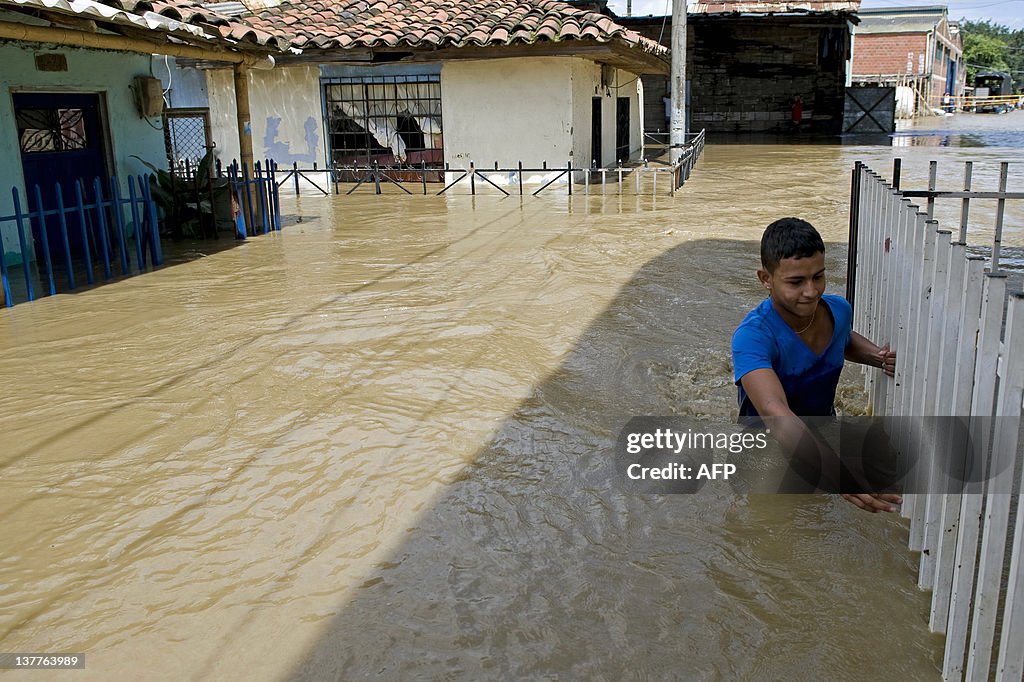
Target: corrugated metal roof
[
  {"x": 228, "y": 9},
  {"x": 100, "y": 12},
  {"x": 776, "y": 7},
  {"x": 901, "y": 21},
  {"x": 182, "y": 19}
]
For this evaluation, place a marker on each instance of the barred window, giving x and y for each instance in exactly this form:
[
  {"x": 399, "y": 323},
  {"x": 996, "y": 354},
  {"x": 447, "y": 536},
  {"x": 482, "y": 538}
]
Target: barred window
[
  {"x": 385, "y": 119},
  {"x": 51, "y": 130}
]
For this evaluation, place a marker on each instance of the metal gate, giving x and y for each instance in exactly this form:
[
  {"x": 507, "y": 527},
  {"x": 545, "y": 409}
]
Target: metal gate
[
  {"x": 870, "y": 110},
  {"x": 187, "y": 139}
]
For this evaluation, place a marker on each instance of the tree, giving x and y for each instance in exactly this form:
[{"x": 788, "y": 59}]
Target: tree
[{"x": 989, "y": 46}]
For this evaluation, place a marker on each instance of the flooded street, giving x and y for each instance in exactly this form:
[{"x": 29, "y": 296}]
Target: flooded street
[{"x": 378, "y": 444}]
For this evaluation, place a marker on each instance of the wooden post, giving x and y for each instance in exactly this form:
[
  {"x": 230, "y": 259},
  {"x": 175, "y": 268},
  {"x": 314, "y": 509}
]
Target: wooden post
[{"x": 241, "y": 78}]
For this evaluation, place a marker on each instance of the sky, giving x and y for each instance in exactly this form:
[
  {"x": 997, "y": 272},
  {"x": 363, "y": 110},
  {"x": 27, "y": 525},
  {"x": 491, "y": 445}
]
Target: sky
[{"x": 1006, "y": 12}]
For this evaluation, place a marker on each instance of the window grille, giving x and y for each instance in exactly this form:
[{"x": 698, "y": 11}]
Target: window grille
[
  {"x": 385, "y": 119},
  {"x": 187, "y": 139},
  {"x": 51, "y": 130}
]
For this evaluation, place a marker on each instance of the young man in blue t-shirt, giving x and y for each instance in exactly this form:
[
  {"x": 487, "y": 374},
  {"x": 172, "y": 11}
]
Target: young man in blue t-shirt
[{"x": 788, "y": 352}]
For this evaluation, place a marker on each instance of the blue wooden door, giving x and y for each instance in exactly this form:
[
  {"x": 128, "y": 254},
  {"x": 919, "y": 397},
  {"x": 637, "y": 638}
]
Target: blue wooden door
[{"x": 62, "y": 140}]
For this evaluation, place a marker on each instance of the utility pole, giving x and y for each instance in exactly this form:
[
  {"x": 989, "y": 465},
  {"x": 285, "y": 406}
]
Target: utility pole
[
  {"x": 677, "y": 79},
  {"x": 629, "y": 8}
]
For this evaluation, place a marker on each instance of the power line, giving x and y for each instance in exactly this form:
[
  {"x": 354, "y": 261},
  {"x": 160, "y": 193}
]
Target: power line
[{"x": 989, "y": 4}]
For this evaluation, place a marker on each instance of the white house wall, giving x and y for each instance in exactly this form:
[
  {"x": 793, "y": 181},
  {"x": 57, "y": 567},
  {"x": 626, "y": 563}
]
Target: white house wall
[
  {"x": 287, "y": 116},
  {"x": 507, "y": 110},
  {"x": 529, "y": 109},
  {"x": 586, "y": 84},
  {"x": 285, "y": 110},
  {"x": 183, "y": 87},
  {"x": 220, "y": 89}
]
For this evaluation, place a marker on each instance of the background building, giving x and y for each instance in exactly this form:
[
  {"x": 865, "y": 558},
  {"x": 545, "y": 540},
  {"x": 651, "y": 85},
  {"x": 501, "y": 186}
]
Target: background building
[
  {"x": 747, "y": 61},
  {"x": 916, "y": 49},
  {"x": 449, "y": 83}
]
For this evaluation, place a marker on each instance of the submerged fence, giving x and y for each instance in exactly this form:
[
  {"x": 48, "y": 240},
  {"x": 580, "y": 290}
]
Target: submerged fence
[
  {"x": 646, "y": 177},
  {"x": 257, "y": 194},
  {"x": 116, "y": 231},
  {"x": 959, "y": 337},
  {"x": 94, "y": 229}
]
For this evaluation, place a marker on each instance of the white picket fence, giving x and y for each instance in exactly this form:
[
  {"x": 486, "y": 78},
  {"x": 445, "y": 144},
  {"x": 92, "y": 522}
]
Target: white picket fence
[{"x": 959, "y": 337}]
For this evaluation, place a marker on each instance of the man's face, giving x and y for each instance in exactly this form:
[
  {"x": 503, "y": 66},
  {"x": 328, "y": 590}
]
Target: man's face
[{"x": 797, "y": 284}]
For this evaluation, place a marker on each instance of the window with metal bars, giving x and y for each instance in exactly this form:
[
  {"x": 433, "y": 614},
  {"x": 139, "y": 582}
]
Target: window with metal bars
[
  {"x": 51, "y": 130},
  {"x": 385, "y": 119}
]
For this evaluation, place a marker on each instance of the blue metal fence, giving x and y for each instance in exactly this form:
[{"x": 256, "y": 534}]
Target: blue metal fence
[
  {"x": 258, "y": 196},
  {"x": 103, "y": 234},
  {"x": 116, "y": 230}
]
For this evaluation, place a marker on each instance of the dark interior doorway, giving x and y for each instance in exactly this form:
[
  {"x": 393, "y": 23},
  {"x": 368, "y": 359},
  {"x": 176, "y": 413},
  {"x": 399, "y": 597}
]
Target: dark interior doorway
[{"x": 621, "y": 129}]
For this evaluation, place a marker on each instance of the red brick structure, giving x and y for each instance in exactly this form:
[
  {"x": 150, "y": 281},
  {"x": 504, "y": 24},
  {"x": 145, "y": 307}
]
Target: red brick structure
[
  {"x": 916, "y": 49},
  {"x": 747, "y": 60}
]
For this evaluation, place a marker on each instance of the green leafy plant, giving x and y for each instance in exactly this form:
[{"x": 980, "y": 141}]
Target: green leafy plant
[{"x": 188, "y": 205}]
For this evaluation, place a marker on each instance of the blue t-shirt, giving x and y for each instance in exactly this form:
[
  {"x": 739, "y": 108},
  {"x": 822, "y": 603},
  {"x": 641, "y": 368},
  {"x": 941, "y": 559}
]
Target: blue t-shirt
[{"x": 764, "y": 341}]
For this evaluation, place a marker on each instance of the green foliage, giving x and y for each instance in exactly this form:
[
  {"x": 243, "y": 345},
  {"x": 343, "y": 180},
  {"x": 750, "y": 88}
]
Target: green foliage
[
  {"x": 984, "y": 53},
  {"x": 188, "y": 206},
  {"x": 993, "y": 47}
]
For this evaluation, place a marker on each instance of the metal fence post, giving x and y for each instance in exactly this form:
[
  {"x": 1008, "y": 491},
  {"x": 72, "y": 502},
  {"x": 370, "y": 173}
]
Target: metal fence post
[
  {"x": 80, "y": 207},
  {"x": 122, "y": 244},
  {"x": 63, "y": 221},
  {"x": 45, "y": 240},
  {"x": 136, "y": 224},
  {"x": 23, "y": 243},
  {"x": 101, "y": 224},
  {"x": 851, "y": 255}
]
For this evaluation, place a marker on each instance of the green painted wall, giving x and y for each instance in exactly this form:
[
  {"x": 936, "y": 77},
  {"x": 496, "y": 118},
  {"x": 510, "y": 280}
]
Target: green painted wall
[{"x": 109, "y": 73}]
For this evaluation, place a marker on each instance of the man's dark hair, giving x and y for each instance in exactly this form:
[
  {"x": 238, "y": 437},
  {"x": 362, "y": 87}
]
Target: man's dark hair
[{"x": 789, "y": 238}]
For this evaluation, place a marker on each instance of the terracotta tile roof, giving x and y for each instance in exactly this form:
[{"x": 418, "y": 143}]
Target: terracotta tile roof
[{"x": 441, "y": 23}]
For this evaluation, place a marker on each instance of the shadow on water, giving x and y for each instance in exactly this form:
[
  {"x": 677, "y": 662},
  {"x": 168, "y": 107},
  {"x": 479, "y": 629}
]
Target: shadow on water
[
  {"x": 174, "y": 251},
  {"x": 533, "y": 563}
]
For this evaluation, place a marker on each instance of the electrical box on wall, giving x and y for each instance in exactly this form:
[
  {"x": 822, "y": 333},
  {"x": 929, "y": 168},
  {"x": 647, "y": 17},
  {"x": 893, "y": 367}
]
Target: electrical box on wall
[{"x": 149, "y": 96}]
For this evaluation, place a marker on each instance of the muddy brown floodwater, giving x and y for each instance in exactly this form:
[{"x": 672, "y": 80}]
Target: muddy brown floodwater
[{"x": 378, "y": 444}]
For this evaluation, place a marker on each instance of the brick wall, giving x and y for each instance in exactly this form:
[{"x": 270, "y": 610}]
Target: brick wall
[
  {"x": 746, "y": 72},
  {"x": 889, "y": 54}
]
